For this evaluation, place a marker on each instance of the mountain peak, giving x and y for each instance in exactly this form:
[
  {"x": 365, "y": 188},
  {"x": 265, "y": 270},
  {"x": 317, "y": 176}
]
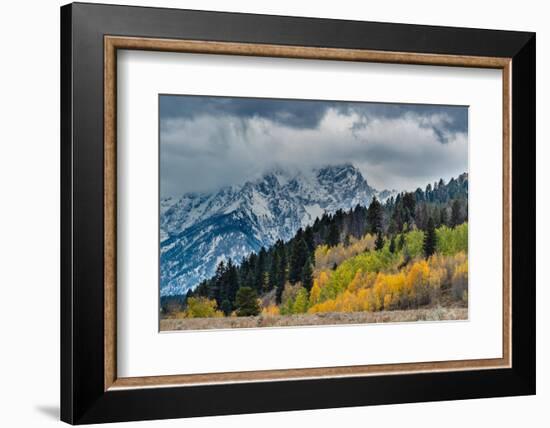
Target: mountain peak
[{"x": 233, "y": 222}]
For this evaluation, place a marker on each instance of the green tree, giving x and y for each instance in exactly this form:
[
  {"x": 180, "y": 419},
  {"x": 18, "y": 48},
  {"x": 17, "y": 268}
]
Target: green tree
[
  {"x": 401, "y": 242},
  {"x": 274, "y": 271},
  {"x": 298, "y": 257},
  {"x": 308, "y": 237},
  {"x": 430, "y": 239},
  {"x": 414, "y": 243},
  {"x": 260, "y": 272},
  {"x": 443, "y": 220},
  {"x": 226, "y": 307},
  {"x": 374, "y": 216},
  {"x": 247, "y": 302},
  {"x": 379, "y": 243},
  {"x": 281, "y": 280},
  {"x": 307, "y": 276},
  {"x": 392, "y": 244},
  {"x": 231, "y": 283},
  {"x": 333, "y": 237},
  {"x": 409, "y": 205},
  {"x": 301, "y": 302},
  {"x": 456, "y": 213}
]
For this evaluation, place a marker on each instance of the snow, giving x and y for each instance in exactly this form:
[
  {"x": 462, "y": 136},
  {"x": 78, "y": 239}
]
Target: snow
[
  {"x": 313, "y": 211},
  {"x": 238, "y": 220},
  {"x": 260, "y": 206}
]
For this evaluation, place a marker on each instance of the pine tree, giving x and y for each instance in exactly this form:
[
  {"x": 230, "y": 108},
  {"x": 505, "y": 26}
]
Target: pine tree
[
  {"x": 308, "y": 237},
  {"x": 282, "y": 274},
  {"x": 397, "y": 216},
  {"x": 401, "y": 242},
  {"x": 374, "y": 216},
  {"x": 216, "y": 291},
  {"x": 259, "y": 275},
  {"x": 430, "y": 239},
  {"x": 455, "y": 213},
  {"x": 392, "y": 244},
  {"x": 247, "y": 302},
  {"x": 226, "y": 307},
  {"x": 409, "y": 205},
  {"x": 232, "y": 283},
  {"x": 307, "y": 276},
  {"x": 298, "y": 257},
  {"x": 274, "y": 271},
  {"x": 443, "y": 220},
  {"x": 333, "y": 237},
  {"x": 421, "y": 216},
  {"x": 379, "y": 243}
]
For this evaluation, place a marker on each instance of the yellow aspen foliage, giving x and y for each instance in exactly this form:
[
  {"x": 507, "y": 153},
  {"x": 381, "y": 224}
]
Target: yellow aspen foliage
[
  {"x": 379, "y": 280},
  {"x": 356, "y": 281},
  {"x": 323, "y": 279},
  {"x": 315, "y": 293},
  {"x": 459, "y": 282},
  {"x": 270, "y": 311}
]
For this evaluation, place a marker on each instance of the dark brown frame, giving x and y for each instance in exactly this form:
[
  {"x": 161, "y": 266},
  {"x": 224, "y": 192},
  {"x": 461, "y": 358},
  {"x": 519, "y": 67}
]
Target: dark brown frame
[{"x": 91, "y": 34}]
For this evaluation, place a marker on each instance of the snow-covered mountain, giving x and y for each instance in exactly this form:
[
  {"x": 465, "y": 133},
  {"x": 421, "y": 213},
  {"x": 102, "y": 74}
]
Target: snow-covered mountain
[{"x": 201, "y": 229}]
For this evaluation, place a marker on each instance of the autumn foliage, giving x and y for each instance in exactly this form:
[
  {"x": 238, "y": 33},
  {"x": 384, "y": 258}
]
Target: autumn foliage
[{"x": 382, "y": 280}]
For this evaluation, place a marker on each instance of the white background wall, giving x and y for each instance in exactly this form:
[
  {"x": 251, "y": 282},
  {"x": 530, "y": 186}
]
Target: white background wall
[{"x": 29, "y": 213}]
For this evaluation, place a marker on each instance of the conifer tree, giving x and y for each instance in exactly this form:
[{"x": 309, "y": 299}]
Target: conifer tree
[
  {"x": 274, "y": 271},
  {"x": 247, "y": 302},
  {"x": 409, "y": 205},
  {"x": 298, "y": 257},
  {"x": 401, "y": 242},
  {"x": 259, "y": 275},
  {"x": 307, "y": 276},
  {"x": 374, "y": 216},
  {"x": 333, "y": 237},
  {"x": 217, "y": 290},
  {"x": 443, "y": 220},
  {"x": 379, "y": 243},
  {"x": 232, "y": 283},
  {"x": 226, "y": 307},
  {"x": 281, "y": 280},
  {"x": 392, "y": 244},
  {"x": 308, "y": 237},
  {"x": 455, "y": 213},
  {"x": 430, "y": 239}
]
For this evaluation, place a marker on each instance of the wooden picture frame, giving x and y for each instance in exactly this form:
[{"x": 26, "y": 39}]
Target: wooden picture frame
[{"x": 91, "y": 390}]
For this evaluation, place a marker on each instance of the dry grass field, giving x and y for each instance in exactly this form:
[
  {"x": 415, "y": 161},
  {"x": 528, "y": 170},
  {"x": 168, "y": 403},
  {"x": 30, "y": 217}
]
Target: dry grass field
[{"x": 329, "y": 318}]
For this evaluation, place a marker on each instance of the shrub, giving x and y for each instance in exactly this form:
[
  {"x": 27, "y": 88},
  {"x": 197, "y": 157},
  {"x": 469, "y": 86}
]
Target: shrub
[
  {"x": 270, "y": 311},
  {"x": 201, "y": 307}
]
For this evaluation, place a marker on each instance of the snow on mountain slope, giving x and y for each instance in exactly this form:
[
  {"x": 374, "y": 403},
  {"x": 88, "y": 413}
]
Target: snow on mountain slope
[{"x": 200, "y": 230}]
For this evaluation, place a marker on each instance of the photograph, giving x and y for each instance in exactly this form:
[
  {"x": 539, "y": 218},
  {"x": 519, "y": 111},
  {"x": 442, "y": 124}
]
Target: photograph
[{"x": 285, "y": 212}]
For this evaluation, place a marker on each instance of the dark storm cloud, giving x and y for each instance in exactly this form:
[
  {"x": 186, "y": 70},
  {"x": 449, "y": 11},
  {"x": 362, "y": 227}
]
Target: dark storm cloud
[
  {"x": 308, "y": 113},
  {"x": 209, "y": 142},
  {"x": 298, "y": 114}
]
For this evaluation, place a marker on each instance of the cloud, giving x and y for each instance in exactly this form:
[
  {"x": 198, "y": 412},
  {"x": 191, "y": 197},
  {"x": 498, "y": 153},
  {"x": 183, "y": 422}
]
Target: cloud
[
  {"x": 222, "y": 142},
  {"x": 298, "y": 114}
]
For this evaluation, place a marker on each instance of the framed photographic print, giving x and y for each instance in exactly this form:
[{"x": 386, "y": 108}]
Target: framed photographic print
[{"x": 265, "y": 213}]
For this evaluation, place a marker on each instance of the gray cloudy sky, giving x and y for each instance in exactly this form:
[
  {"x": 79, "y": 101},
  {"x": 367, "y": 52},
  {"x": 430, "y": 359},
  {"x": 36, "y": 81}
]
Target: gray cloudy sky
[{"x": 209, "y": 142}]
